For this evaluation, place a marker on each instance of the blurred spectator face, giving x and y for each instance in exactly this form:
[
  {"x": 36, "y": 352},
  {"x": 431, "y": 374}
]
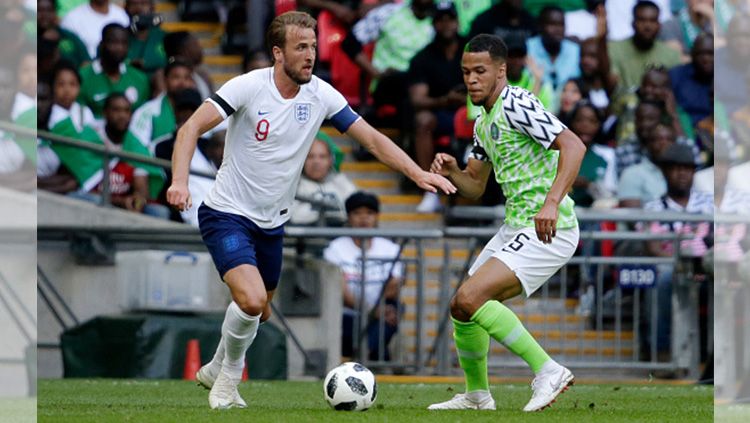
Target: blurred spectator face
[
  {"x": 702, "y": 55},
  {"x": 298, "y": 55},
  {"x": 585, "y": 123},
  {"x": 738, "y": 36},
  {"x": 446, "y": 27},
  {"x": 318, "y": 162},
  {"x": 363, "y": 217},
  {"x": 45, "y": 15},
  {"x": 65, "y": 88},
  {"x": 114, "y": 45},
  {"x": 647, "y": 116},
  {"x": 513, "y": 4},
  {"x": 7, "y": 91},
  {"x": 481, "y": 75},
  {"x": 178, "y": 79},
  {"x": 589, "y": 58},
  {"x": 552, "y": 27},
  {"x": 570, "y": 95},
  {"x": 661, "y": 137},
  {"x": 646, "y": 26},
  {"x": 192, "y": 51},
  {"x": 139, "y": 7},
  {"x": 117, "y": 114},
  {"x": 679, "y": 179},
  {"x": 654, "y": 85},
  {"x": 516, "y": 64},
  {"x": 27, "y": 74}
]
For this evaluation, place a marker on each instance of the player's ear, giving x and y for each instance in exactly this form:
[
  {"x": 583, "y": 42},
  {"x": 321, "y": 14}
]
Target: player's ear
[
  {"x": 502, "y": 69},
  {"x": 278, "y": 54}
]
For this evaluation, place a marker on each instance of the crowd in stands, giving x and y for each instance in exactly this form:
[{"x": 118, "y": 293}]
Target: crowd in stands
[{"x": 632, "y": 78}]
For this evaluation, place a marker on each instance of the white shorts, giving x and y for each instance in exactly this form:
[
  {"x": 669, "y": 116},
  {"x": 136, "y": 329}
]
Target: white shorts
[{"x": 532, "y": 261}]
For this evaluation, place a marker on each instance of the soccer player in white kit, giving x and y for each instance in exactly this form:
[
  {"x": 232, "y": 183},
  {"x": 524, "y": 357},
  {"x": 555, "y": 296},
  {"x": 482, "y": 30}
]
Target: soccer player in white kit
[{"x": 274, "y": 114}]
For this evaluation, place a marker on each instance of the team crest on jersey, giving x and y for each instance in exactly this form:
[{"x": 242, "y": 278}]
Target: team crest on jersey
[
  {"x": 302, "y": 112},
  {"x": 494, "y": 131}
]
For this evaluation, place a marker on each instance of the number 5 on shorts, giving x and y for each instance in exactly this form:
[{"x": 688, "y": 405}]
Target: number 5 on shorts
[{"x": 517, "y": 243}]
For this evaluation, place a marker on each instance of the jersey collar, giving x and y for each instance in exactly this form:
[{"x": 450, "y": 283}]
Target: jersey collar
[{"x": 96, "y": 65}]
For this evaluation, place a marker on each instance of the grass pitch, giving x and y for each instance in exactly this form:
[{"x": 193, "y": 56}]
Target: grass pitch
[{"x": 105, "y": 401}]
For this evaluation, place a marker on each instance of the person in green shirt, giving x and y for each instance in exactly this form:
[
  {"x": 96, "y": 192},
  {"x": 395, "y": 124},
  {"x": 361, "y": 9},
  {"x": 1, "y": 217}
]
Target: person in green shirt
[
  {"x": 146, "y": 42},
  {"x": 536, "y": 160},
  {"x": 70, "y": 46},
  {"x": 630, "y": 58},
  {"x": 110, "y": 73},
  {"x": 156, "y": 119}
]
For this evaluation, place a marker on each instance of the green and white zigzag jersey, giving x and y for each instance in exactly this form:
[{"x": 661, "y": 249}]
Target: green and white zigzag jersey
[{"x": 515, "y": 137}]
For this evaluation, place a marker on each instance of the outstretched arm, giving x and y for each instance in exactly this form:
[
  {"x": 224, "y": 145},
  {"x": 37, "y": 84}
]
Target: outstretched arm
[
  {"x": 387, "y": 152},
  {"x": 572, "y": 151},
  {"x": 205, "y": 118},
  {"x": 471, "y": 182}
]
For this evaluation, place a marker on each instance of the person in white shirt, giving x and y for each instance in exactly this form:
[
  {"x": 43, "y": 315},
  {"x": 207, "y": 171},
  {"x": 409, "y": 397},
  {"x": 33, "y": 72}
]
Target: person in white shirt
[
  {"x": 273, "y": 116},
  {"x": 88, "y": 20},
  {"x": 382, "y": 278},
  {"x": 320, "y": 183}
]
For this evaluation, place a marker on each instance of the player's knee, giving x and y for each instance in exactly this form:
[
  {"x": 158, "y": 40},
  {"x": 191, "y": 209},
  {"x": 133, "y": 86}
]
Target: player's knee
[
  {"x": 252, "y": 304},
  {"x": 461, "y": 306}
]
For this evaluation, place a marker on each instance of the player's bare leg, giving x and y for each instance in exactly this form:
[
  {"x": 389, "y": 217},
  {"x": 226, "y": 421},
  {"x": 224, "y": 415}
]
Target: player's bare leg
[
  {"x": 238, "y": 331},
  {"x": 207, "y": 374},
  {"x": 477, "y": 314}
]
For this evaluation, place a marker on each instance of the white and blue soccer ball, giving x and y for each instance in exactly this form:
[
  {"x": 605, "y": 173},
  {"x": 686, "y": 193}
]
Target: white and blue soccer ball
[{"x": 350, "y": 387}]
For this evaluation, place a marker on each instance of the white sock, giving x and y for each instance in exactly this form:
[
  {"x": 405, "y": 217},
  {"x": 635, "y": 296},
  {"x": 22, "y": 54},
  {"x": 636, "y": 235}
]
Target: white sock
[
  {"x": 214, "y": 366},
  {"x": 477, "y": 396},
  {"x": 550, "y": 366},
  {"x": 238, "y": 332}
]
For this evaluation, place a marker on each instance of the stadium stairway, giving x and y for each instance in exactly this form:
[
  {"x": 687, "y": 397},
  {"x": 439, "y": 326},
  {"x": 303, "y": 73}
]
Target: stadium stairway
[{"x": 555, "y": 323}]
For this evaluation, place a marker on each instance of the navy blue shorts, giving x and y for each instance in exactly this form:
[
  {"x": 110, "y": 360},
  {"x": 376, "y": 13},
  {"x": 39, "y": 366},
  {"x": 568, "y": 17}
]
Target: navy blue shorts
[{"x": 233, "y": 240}]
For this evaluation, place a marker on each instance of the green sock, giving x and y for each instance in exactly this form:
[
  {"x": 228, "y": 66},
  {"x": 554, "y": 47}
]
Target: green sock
[
  {"x": 472, "y": 345},
  {"x": 503, "y": 325}
]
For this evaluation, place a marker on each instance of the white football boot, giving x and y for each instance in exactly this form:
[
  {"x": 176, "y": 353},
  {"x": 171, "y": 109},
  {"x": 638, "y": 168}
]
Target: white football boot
[
  {"x": 224, "y": 393},
  {"x": 206, "y": 377},
  {"x": 462, "y": 402},
  {"x": 547, "y": 386}
]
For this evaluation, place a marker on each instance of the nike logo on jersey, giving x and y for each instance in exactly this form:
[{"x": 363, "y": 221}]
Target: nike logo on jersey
[
  {"x": 260, "y": 113},
  {"x": 100, "y": 96}
]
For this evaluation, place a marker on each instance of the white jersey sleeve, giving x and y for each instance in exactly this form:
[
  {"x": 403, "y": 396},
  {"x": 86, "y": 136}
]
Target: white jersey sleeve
[
  {"x": 337, "y": 109},
  {"x": 526, "y": 114},
  {"x": 235, "y": 94}
]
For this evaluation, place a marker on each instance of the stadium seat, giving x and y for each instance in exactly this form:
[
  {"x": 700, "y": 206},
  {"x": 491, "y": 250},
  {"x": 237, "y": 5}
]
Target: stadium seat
[{"x": 283, "y": 6}]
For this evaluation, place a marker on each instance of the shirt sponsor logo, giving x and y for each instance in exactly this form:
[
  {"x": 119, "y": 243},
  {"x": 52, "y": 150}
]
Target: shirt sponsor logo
[
  {"x": 262, "y": 113},
  {"x": 302, "y": 112}
]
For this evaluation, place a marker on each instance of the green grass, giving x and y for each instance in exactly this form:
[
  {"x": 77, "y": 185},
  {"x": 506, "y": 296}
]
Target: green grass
[
  {"x": 17, "y": 410},
  {"x": 104, "y": 401}
]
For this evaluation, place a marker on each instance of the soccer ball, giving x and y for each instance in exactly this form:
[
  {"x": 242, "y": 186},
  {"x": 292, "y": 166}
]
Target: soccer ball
[{"x": 350, "y": 387}]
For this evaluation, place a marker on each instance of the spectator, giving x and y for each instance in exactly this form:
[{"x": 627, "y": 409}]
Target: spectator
[
  {"x": 731, "y": 85},
  {"x": 620, "y": 18},
  {"x": 573, "y": 91},
  {"x": 71, "y": 47},
  {"x": 437, "y": 91},
  {"x": 644, "y": 181},
  {"x": 25, "y": 97},
  {"x": 400, "y": 31},
  {"x": 156, "y": 118},
  {"x": 383, "y": 275},
  {"x": 692, "y": 82},
  {"x": 679, "y": 168},
  {"x": 11, "y": 154},
  {"x": 319, "y": 182},
  {"x": 597, "y": 178},
  {"x": 208, "y": 157},
  {"x": 467, "y": 12},
  {"x": 582, "y": 24},
  {"x": 680, "y": 31},
  {"x": 185, "y": 47},
  {"x": 88, "y": 20},
  {"x": 146, "y": 42},
  {"x": 557, "y": 57},
  {"x": 596, "y": 80},
  {"x": 255, "y": 60},
  {"x": 504, "y": 19},
  {"x": 523, "y": 74},
  {"x": 131, "y": 184},
  {"x": 110, "y": 73},
  {"x": 631, "y": 57}
]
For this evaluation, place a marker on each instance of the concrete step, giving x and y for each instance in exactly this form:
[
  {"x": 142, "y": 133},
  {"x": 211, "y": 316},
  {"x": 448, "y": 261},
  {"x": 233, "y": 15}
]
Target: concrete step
[{"x": 200, "y": 29}]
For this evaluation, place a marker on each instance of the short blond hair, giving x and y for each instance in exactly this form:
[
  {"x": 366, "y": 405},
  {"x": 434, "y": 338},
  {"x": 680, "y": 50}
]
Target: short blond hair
[{"x": 276, "y": 35}]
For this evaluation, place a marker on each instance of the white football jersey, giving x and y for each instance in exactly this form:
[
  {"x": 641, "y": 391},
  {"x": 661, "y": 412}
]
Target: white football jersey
[{"x": 268, "y": 138}]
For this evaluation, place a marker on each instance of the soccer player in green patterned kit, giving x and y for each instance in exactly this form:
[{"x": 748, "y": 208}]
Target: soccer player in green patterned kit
[{"x": 535, "y": 159}]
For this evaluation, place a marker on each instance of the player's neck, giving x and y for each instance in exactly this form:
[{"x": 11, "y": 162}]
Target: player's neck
[
  {"x": 286, "y": 86},
  {"x": 492, "y": 99}
]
